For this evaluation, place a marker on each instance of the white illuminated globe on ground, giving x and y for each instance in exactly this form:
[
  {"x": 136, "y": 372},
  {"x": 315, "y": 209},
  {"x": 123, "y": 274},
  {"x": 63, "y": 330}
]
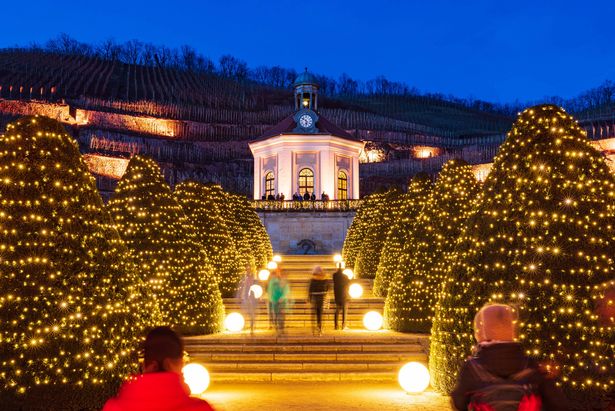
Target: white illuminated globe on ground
[
  {"x": 355, "y": 290},
  {"x": 413, "y": 377},
  {"x": 196, "y": 377},
  {"x": 348, "y": 273},
  {"x": 337, "y": 258},
  {"x": 257, "y": 290},
  {"x": 272, "y": 265},
  {"x": 263, "y": 275},
  {"x": 373, "y": 321},
  {"x": 277, "y": 258},
  {"x": 234, "y": 322}
]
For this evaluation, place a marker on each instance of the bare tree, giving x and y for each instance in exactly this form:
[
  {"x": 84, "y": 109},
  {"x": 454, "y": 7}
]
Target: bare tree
[
  {"x": 233, "y": 67},
  {"x": 131, "y": 51}
]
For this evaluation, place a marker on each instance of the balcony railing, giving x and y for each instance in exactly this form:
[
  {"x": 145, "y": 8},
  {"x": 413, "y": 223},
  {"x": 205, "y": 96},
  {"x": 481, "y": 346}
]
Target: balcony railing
[{"x": 306, "y": 205}]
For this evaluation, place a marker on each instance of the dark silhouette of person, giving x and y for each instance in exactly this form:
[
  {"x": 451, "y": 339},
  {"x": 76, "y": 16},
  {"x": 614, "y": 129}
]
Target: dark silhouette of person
[
  {"x": 341, "y": 282},
  {"x": 319, "y": 285}
]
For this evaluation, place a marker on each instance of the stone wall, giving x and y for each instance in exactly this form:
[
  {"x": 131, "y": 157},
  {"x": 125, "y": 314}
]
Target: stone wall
[{"x": 326, "y": 229}]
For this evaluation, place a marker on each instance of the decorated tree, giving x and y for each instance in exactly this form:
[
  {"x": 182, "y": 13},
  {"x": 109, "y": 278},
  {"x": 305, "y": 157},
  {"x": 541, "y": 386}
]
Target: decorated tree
[
  {"x": 425, "y": 258},
  {"x": 411, "y": 204},
  {"x": 250, "y": 232},
  {"x": 164, "y": 245},
  {"x": 212, "y": 233},
  {"x": 353, "y": 238},
  {"x": 378, "y": 219},
  {"x": 71, "y": 311},
  {"x": 543, "y": 239}
]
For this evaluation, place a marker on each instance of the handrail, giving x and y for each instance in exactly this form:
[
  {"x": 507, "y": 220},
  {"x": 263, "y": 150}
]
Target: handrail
[{"x": 306, "y": 205}]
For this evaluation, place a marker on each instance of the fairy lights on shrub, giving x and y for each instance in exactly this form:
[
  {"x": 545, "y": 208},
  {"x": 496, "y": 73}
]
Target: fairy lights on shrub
[
  {"x": 73, "y": 308},
  {"x": 543, "y": 238}
]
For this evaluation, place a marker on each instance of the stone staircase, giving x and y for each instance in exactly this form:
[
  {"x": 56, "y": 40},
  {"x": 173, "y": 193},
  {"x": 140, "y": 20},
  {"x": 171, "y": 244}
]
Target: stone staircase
[
  {"x": 335, "y": 356},
  {"x": 351, "y": 355}
]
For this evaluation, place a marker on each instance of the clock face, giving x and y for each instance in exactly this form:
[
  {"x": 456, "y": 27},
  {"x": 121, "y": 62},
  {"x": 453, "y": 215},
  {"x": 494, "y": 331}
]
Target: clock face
[{"x": 306, "y": 121}]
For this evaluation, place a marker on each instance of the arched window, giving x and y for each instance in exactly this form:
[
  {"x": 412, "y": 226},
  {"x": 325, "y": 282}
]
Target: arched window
[
  {"x": 342, "y": 185},
  {"x": 306, "y": 181},
  {"x": 269, "y": 185}
]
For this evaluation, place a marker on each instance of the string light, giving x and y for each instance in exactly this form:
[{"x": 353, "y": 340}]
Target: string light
[
  {"x": 543, "y": 239},
  {"x": 165, "y": 247},
  {"x": 205, "y": 218},
  {"x": 367, "y": 233},
  {"x": 411, "y": 205},
  {"x": 73, "y": 308},
  {"x": 426, "y": 255}
]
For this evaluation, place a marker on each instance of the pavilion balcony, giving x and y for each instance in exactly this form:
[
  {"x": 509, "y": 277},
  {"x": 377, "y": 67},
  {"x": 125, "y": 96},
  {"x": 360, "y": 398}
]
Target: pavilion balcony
[{"x": 306, "y": 205}]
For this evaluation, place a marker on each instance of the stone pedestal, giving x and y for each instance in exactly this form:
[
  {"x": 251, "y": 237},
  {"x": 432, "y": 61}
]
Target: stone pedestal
[{"x": 294, "y": 232}]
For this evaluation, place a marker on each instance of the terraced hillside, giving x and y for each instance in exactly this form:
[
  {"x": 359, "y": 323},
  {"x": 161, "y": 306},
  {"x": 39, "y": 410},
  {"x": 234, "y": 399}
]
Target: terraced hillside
[{"x": 198, "y": 123}]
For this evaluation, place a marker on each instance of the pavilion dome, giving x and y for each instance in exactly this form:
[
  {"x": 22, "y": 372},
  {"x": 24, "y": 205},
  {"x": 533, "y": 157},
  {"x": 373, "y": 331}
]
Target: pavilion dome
[{"x": 305, "y": 78}]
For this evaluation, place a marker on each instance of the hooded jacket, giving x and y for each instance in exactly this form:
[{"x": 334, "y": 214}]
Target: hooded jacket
[
  {"x": 503, "y": 360},
  {"x": 158, "y": 391}
]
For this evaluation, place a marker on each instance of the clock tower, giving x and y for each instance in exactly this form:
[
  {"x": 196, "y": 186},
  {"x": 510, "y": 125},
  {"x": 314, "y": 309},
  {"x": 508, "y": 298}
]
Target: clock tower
[{"x": 306, "y": 91}]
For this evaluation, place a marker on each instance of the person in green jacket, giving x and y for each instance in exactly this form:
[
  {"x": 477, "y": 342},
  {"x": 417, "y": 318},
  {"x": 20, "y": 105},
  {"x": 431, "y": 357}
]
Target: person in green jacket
[{"x": 278, "y": 291}]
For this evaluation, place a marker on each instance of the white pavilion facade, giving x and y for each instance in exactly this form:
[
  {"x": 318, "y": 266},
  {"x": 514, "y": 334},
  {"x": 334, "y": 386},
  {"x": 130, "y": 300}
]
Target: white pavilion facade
[{"x": 306, "y": 153}]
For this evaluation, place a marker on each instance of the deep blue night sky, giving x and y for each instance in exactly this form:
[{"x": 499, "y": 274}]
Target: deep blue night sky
[{"x": 494, "y": 50}]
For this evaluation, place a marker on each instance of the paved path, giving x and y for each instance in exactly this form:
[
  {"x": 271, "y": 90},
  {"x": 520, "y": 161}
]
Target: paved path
[{"x": 321, "y": 396}]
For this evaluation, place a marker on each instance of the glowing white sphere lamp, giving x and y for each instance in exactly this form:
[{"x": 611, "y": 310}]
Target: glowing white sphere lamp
[
  {"x": 413, "y": 377},
  {"x": 277, "y": 258},
  {"x": 373, "y": 321},
  {"x": 272, "y": 265},
  {"x": 196, "y": 377},
  {"x": 355, "y": 290},
  {"x": 337, "y": 258},
  {"x": 257, "y": 290},
  {"x": 348, "y": 273},
  {"x": 263, "y": 275},
  {"x": 234, "y": 322}
]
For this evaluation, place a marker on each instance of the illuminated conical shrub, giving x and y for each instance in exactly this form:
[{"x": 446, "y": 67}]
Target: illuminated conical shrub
[
  {"x": 203, "y": 212},
  {"x": 543, "y": 239},
  {"x": 249, "y": 232},
  {"x": 163, "y": 244},
  {"x": 353, "y": 239},
  {"x": 378, "y": 220},
  {"x": 71, "y": 312},
  {"x": 425, "y": 257},
  {"x": 411, "y": 205}
]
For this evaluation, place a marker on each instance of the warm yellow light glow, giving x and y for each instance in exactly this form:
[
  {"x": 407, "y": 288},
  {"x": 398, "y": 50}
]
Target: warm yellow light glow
[
  {"x": 257, "y": 290},
  {"x": 113, "y": 167},
  {"x": 196, "y": 377},
  {"x": 263, "y": 275},
  {"x": 277, "y": 258},
  {"x": 373, "y": 321},
  {"x": 425, "y": 152},
  {"x": 337, "y": 258},
  {"x": 234, "y": 322},
  {"x": 272, "y": 265},
  {"x": 355, "y": 290},
  {"x": 348, "y": 273},
  {"x": 413, "y": 377}
]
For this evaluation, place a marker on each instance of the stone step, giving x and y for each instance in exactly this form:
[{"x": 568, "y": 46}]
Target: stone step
[
  {"x": 333, "y": 338},
  {"x": 278, "y": 366},
  {"x": 306, "y": 357},
  {"x": 311, "y": 348},
  {"x": 306, "y": 376}
]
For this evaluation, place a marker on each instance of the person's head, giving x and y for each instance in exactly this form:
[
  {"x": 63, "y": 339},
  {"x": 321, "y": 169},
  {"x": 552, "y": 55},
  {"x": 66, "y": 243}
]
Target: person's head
[
  {"x": 163, "y": 351},
  {"x": 317, "y": 272},
  {"x": 495, "y": 322}
]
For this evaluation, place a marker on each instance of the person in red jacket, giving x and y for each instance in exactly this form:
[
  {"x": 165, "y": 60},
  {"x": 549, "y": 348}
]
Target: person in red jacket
[{"x": 161, "y": 387}]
